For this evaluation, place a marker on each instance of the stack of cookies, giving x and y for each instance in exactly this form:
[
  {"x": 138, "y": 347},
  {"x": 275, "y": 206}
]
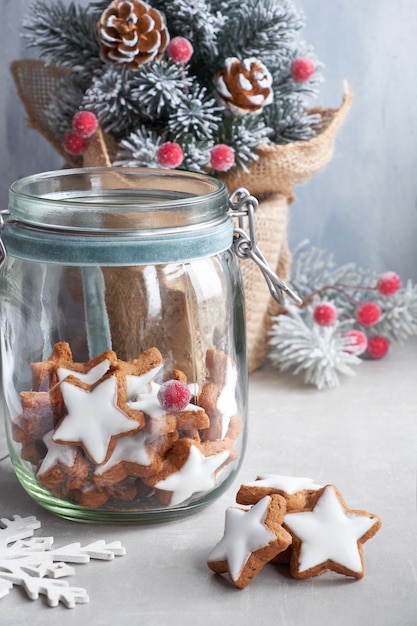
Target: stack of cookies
[{"x": 292, "y": 520}]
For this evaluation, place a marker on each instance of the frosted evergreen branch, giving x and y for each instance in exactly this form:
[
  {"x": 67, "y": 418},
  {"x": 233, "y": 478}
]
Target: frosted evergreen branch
[
  {"x": 244, "y": 134},
  {"x": 399, "y": 318},
  {"x": 64, "y": 35},
  {"x": 289, "y": 120},
  {"x": 264, "y": 29},
  {"x": 319, "y": 353},
  {"x": 110, "y": 98},
  {"x": 139, "y": 149},
  {"x": 67, "y": 100},
  {"x": 160, "y": 88},
  {"x": 197, "y": 153},
  {"x": 197, "y": 22},
  {"x": 197, "y": 114}
]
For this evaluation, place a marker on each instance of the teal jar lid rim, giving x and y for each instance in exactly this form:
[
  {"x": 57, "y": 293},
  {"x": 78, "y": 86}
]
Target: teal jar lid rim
[{"x": 46, "y": 246}]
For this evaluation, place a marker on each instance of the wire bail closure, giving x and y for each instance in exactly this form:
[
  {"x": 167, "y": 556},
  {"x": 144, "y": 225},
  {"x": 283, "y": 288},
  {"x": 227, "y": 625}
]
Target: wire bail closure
[
  {"x": 4, "y": 220},
  {"x": 243, "y": 206}
]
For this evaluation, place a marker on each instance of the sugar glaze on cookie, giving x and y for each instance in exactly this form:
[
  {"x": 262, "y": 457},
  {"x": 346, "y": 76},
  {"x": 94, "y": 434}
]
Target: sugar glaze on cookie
[
  {"x": 329, "y": 537},
  {"x": 93, "y": 418},
  {"x": 196, "y": 475}
]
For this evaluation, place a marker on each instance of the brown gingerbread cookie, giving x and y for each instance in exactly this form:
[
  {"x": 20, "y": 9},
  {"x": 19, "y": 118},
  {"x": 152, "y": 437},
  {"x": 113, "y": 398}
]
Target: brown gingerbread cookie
[
  {"x": 252, "y": 538},
  {"x": 299, "y": 492},
  {"x": 329, "y": 536}
]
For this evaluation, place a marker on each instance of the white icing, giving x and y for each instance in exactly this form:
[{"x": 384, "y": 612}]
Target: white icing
[
  {"x": 131, "y": 449},
  {"x": 245, "y": 533},
  {"x": 137, "y": 385},
  {"x": 196, "y": 475},
  {"x": 288, "y": 484},
  {"x": 92, "y": 376},
  {"x": 194, "y": 389},
  {"x": 57, "y": 453},
  {"x": 226, "y": 402},
  {"x": 329, "y": 532},
  {"x": 93, "y": 418}
]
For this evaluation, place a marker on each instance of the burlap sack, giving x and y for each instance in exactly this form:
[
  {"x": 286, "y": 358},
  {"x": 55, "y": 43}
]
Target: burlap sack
[{"x": 270, "y": 178}]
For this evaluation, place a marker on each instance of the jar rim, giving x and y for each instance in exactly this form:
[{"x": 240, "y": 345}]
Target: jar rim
[{"x": 117, "y": 199}]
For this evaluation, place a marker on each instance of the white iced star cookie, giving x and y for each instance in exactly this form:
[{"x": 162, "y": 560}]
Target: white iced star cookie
[
  {"x": 251, "y": 539},
  {"x": 132, "y": 456},
  {"x": 186, "y": 471},
  {"x": 329, "y": 536},
  {"x": 298, "y": 491},
  {"x": 93, "y": 420},
  {"x": 89, "y": 372},
  {"x": 62, "y": 463}
]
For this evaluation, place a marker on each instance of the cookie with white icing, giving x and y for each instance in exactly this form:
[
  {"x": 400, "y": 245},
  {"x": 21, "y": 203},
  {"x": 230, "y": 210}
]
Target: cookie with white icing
[
  {"x": 252, "y": 538},
  {"x": 299, "y": 492},
  {"x": 132, "y": 456},
  {"x": 160, "y": 421},
  {"x": 95, "y": 416},
  {"x": 186, "y": 471},
  {"x": 329, "y": 536},
  {"x": 63, "y": 467}
]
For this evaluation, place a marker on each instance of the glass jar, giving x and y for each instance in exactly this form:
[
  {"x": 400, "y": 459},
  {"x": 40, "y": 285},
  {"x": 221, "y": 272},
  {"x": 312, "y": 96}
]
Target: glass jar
[{"x": 122, "y": 342}]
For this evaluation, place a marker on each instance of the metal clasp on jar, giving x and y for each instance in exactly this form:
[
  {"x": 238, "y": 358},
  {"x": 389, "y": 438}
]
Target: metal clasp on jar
[
  {"x": 243, "y": 206},
  {"x": 4, "y": 220}
]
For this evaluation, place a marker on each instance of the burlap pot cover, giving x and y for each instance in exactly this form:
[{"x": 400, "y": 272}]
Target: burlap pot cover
[{"x": 271, "y": 178}]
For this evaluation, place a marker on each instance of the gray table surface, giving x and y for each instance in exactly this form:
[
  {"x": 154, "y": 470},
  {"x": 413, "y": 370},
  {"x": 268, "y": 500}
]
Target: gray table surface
[{"x": 360, "y": 436}]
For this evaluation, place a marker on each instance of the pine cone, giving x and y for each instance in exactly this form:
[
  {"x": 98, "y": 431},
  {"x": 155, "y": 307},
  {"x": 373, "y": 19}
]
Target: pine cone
[
  {"x": 244, "y": 86},
  {"x": 131, "y": 32}
]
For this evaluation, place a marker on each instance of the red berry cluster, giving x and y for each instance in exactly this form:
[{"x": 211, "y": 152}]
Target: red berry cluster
[
  {"x": 170, "y": 155},
  {"x": 84, "y": 125},
  {"x": 367, "y": 315}
]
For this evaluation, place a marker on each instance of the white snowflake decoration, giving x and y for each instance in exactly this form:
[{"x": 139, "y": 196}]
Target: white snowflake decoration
[{"x": 32, "y": 563}]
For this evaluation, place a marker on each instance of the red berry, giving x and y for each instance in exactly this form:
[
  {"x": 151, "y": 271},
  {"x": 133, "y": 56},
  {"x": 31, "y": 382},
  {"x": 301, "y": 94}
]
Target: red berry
[
  {"x": 302, "y": 69},
  {"x": 84, "y": 123},
  {"x": 180, "y": 50},
  {"x": 170, "y": 154},
  {"x": 389, "y": 283},
  {"x": 74, "y": 144},
  {"x": 325, "y": 314},
  {"x": 378, "y": 346},
  {"x": 368, "y": 314},
  {"x": 174, "y": 395},
  {"x": 222, "y": 157},
  {"x": 358, "y": 343}
]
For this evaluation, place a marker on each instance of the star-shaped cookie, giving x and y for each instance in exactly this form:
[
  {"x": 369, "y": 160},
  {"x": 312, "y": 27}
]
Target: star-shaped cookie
[
  {"x": 251, "y": 539},
  {"x": 298, "y": 491},
  {"x": 329, "y": 536},
  {"x": 93, "y": 419},
  {"x": 187, "y": 471}
]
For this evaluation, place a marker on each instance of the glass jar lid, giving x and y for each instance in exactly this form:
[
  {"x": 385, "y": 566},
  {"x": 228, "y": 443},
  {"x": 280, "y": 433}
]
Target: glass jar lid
[
  {"x": 117, "y": 216},
  {"x": 117, "y": 199}
]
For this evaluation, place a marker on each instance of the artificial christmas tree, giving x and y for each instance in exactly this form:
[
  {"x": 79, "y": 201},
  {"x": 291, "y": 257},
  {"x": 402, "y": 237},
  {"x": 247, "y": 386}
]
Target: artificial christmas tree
[{"x": 208, "y": 86}]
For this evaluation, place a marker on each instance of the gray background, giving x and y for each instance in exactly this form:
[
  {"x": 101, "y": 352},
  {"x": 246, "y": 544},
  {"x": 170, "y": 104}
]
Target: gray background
[{"x": 362, "y": 208}]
